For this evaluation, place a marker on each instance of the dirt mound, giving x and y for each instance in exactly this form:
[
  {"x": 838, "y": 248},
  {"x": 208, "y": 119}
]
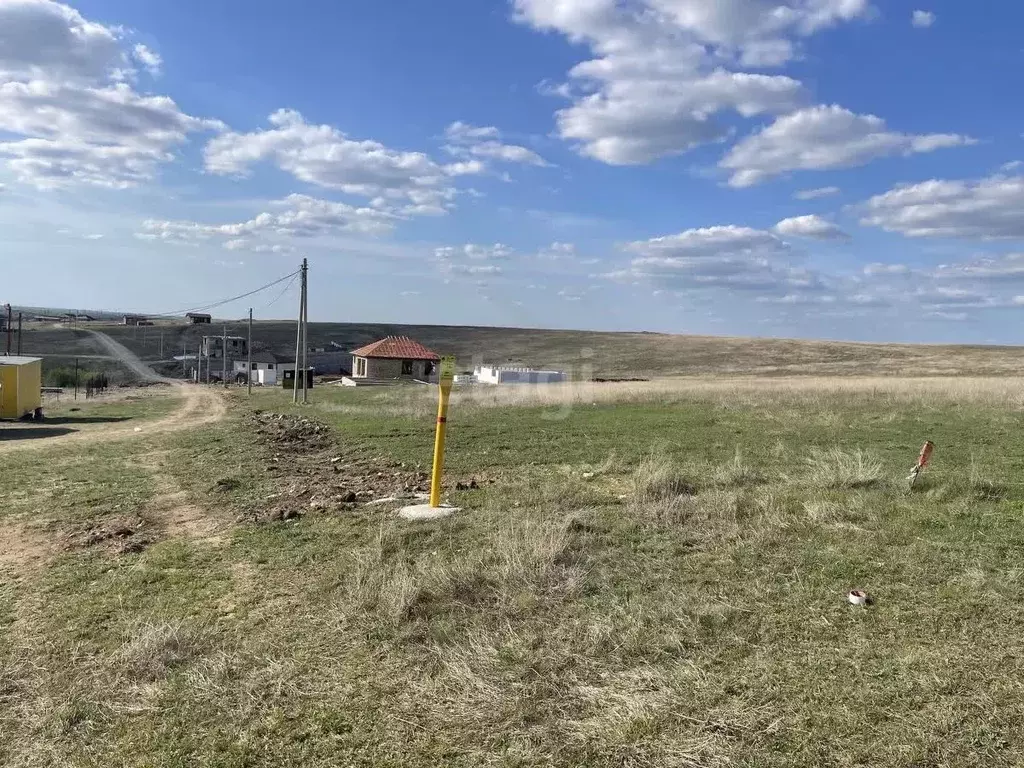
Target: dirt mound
[
  {"x": 318, "y": 473},
  {"x": 123, "y": 535},
  {"x": 289, "y": 430}
]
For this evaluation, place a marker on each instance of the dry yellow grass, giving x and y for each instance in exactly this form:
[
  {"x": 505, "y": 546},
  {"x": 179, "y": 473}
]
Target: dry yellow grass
[{"x": 739, "y": 392}]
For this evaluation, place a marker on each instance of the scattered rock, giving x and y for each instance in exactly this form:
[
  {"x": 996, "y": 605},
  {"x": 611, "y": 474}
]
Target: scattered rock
[{"x": 226, "y": 484}]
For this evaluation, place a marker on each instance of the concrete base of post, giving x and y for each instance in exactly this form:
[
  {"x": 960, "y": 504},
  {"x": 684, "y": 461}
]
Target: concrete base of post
[{"x": 426, "y": 512}]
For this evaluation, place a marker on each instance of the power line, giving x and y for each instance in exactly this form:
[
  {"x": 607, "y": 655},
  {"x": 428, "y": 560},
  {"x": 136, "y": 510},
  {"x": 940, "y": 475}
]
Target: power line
[
  {"x": 282, "y": 293},
  {"x": 222, "y": 302}
]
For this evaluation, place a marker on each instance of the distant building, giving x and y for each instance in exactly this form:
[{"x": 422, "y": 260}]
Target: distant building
[
  {"x": 213, "y": 347},
  {"x": 135, "y": 320},
  {"x": 396, "y": 357},
  {"x": 265, "y": 369},
  {"x": 495, "y": 374},
  {"x": 198, "y": 318}
]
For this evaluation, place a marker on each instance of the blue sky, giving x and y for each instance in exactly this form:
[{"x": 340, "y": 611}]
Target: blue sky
[{"x": 809, "y": 168}]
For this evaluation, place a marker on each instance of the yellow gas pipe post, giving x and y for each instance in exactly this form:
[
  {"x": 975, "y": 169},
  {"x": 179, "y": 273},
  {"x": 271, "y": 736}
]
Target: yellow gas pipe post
[{"x": 444, "y": 381}]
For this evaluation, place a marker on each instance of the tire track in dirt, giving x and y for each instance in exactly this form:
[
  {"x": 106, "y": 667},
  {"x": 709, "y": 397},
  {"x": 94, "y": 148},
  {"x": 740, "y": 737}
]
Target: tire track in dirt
[{"x": 171, "y": 509}]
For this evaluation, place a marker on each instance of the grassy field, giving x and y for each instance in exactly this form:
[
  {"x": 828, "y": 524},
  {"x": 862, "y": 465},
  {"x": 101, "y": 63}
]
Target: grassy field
[
  {"x": 646, "y": 576},
  {"x": 586, "y": 354}
]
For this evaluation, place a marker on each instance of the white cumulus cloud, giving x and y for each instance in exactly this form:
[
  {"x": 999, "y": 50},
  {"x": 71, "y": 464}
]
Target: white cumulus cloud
[
  {"x": 822, "y": 138},
  {"x": 296, "y": 216},
  {"x": 67, "y": 114},
  {"x": 148, "y": 58},
  {"x": 811, "y": 226},
  {"x": 324, "y": 156},
  {"x": 485, "y": 142},
  {"x": 662, "y": 71},
  {"x": 815, "y": 194},
  {"x": 922, "y": 19},
  {"x": 991, "y": 208},
  {"x": 728, "y": 258}
]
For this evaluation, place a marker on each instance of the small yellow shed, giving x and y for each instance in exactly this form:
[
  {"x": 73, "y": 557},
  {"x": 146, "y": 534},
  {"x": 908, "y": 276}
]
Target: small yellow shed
[{"x": 21, "y": 382}]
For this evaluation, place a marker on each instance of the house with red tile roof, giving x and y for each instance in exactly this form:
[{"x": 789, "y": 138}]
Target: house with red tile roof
[{"x": 396, "y": 357}]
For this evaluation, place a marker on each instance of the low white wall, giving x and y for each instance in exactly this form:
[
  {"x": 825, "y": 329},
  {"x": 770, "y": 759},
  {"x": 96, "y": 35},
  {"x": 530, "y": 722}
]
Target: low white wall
[{"x": 489, "y": 374}]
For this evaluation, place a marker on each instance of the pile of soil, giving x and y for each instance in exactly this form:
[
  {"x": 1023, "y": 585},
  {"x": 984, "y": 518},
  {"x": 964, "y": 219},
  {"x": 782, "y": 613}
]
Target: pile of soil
[
  {"x": 122, "y": 535},
  {"x": 318, "y": 473},
  {"x": 289, "y": 431}
]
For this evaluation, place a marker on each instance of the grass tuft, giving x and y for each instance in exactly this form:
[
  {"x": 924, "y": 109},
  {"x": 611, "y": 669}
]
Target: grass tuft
[
  {"x": 153, "y": 650},
  {"x": 736, "y": 474},
  {"x": 836, "y": 468},
  {"x": 657, "y": 478}
]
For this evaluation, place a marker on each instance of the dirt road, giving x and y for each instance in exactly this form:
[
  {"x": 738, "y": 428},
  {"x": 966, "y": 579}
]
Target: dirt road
[
  {"x": 199, "y": 405},
  {"x": 129, "y": 358}
]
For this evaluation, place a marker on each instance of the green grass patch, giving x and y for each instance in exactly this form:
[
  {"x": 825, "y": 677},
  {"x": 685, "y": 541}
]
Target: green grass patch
[{"x": 635, "y": 584}]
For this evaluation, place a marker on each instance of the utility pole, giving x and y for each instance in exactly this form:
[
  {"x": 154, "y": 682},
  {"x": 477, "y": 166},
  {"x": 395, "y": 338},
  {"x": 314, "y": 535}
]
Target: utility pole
[
  {"x": 184, "y": 357},
  {"x": 161, "y": 343},
  {"x": 248, "y": 358},
  {"x": 305, "y": 329},
  {"x": 206, "y": 343},
  {"x": 19, "y": 333},
  {"x": 298, "y": 333},
  {"x": 8, "y": 329},
  {"x": 224, "y": 362},
  {"x": 76, "y": 378}
]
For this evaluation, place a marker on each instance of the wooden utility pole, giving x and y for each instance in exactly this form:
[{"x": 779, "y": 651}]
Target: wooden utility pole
[
  {"x": 298, "y": 333},
  {"x": 161, "y": 343},
  {"x": 248, "y": 358},
  {"x": 305, "y": 329},
  {"x": 184, "y": 358},
  {"x": 76, "y": 378},
  {"x": 224, "y": 363},
  {"x": 19, "y": 333},
  {"x": 9, "y": 330},
  {"x": 206, "y": 343}
]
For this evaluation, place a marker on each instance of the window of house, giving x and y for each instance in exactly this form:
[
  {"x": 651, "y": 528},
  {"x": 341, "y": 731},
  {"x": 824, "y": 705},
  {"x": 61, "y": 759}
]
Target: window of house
[
  {"x": 428, "y": 368},
  {"x": 270, "y": 366},
  {"x": 360, "y": 367},
  {"x": 254, "y": 366},
  {"x": 407, "y": 367}
]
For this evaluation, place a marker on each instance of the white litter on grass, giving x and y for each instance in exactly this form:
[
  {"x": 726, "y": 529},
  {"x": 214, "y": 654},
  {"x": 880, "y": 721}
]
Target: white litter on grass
[
  {"x": 426, "y": 512},
  {"x": 395, "y": 499},
  {"x": 859, "y": 597},
  {"x": 138, "y": 429}
]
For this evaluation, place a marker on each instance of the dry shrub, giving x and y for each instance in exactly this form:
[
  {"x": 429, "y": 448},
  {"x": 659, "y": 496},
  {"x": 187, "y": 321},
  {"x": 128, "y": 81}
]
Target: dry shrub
[
  {"x": 657, "y": 478},
  {"x": 152, "y": 651},
  {"x": 836, "y": 468},
  {"x": 735, "y": 474}
]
